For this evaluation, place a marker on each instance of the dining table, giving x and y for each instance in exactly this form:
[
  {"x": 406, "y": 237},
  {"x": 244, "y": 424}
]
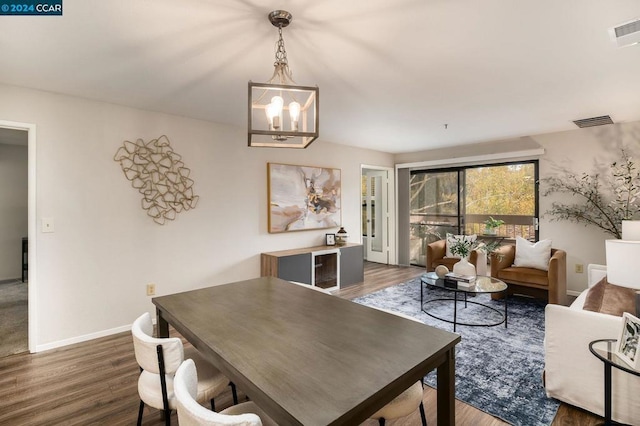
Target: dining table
[{"x": 310, "y": 358}]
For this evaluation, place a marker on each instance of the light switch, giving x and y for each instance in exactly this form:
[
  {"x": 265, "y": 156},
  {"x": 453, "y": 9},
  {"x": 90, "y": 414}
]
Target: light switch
[{"x": 47, "y": 224}]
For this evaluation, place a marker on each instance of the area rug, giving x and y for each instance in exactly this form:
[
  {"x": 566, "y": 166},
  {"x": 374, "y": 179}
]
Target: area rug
[
  {"x": 13, "y": 318},
  {"x": 498, "y": 370}
]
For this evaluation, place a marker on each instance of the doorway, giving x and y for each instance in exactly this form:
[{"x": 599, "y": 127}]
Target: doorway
[
  {"x": 19, "y": 142},
  {"x": 377, "y": 218},
  {"x": 13, "y": 241}
]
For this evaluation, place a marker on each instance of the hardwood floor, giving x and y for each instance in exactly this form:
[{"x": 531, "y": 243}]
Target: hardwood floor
[{"x": 95, "y": 383}]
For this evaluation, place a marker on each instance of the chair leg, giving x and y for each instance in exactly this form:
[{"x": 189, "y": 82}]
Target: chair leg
[
  {"x": 423, "y": 415},
  {"x": 213, "y": 405},
  {"x": 167, "y": 417},
  {"x": 234, "y": 392},
  {"x": 163, "y": 385},
  {"x": 381, "y": 421},
  {"x": 140, "y": 413}
]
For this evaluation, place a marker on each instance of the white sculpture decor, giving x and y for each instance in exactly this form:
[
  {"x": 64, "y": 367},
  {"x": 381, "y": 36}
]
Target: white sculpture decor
[
  {"x": 441, "y": 271},
  {"x": 158, "y": 173}
]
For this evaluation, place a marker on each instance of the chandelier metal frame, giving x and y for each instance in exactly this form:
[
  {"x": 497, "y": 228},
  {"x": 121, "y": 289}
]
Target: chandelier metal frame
[{"x": 267, "y": 106}]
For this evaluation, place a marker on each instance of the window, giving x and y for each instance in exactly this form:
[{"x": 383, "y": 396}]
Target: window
[{"x": 460, "y": 200}]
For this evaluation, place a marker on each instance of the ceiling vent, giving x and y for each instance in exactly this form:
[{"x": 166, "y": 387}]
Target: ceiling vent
[
  {"x": 626, "y": 34},
  {"x": 593, "y": 121}
]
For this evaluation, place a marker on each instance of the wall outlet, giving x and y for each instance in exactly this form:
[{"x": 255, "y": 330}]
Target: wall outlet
[
  {"x": 151, "y": 289},
  {"x": 579, "y": 268}
]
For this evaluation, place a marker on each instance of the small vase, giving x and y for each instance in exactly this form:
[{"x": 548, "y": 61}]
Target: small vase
[{"x": 464, "y": 267}]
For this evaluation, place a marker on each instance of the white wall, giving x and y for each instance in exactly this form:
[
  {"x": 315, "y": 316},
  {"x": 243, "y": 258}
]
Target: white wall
[
  {"x": 589, "y": 151},
  {"x": 92, "y": 271},
  {"x": 13, "y": 208}
]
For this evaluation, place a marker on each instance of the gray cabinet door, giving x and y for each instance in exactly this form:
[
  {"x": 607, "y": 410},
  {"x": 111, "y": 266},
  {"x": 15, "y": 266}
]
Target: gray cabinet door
[
  {"x": 351, "y": 265},
  {"x": 295, "y": 268}
]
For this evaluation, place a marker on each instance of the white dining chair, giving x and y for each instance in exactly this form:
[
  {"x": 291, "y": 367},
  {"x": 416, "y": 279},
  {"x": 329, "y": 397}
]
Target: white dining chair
[
  {"x": 408, "y": 401},
  {"x": 191, "y": 413},
  {"x": 159, "y": 358}
]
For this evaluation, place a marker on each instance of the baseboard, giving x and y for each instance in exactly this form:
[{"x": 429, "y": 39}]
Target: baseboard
[
  {"x": 83, "y": 338},
  {"x": 573, "y": 293},
  {"x": 10, "y": 280},
  {"x": 86, "y": 337}
]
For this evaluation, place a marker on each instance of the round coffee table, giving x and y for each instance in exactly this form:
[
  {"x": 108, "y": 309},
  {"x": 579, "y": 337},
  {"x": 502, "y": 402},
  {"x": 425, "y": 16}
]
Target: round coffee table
[{"x": 481, "y": 285}]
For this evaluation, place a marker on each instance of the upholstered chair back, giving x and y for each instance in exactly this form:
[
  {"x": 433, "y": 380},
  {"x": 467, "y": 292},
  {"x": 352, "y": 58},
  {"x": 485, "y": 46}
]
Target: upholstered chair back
[
  {"x": 145, "y": 347},
  {"x": 190, "y": 413}
]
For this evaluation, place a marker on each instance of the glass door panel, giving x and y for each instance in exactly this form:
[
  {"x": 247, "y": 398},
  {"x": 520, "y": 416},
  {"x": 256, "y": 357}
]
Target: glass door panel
[{"x": 434, "y": 210}]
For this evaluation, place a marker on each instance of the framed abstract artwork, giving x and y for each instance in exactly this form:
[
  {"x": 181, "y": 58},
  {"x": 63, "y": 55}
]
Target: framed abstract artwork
[{"x": 303, "y": 197}]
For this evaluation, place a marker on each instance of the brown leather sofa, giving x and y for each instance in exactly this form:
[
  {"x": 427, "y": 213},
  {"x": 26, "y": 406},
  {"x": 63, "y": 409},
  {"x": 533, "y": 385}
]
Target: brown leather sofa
[
  {"x": 436, "y": 255},
  {"x": 549, "y": 285}
]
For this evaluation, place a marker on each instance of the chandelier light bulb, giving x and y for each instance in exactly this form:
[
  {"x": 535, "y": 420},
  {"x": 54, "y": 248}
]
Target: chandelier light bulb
[
  {"x": 274, "y": 112},
  {"x": 294, "y": 115},
  {"x": 278, "y": 101}
]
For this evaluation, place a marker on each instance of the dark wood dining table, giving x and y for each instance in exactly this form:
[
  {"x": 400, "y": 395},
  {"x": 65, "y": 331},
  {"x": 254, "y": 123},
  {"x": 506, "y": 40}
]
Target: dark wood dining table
[{"x": 306, "y": 357}]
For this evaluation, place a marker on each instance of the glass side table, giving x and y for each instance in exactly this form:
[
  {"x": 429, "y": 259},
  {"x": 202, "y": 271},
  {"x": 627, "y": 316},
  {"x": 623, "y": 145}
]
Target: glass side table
[{"x": 604, "y": 350}]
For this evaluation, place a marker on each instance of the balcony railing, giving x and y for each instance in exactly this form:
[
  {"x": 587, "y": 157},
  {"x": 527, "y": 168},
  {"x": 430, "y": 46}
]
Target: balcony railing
[{"x": 427, "y": 231}]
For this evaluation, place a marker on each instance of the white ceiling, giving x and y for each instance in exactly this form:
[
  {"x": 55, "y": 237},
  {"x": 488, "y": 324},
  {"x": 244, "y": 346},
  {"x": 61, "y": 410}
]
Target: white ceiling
[{"x": 391, "y": 73}]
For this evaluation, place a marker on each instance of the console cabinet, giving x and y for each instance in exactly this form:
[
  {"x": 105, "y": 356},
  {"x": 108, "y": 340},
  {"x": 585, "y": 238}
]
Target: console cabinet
[{"x": 323, "y": 266}]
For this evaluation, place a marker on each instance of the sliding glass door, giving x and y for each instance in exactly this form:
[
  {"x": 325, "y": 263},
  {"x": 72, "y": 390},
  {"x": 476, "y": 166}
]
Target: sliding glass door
[{"x": 460, "y": 200}]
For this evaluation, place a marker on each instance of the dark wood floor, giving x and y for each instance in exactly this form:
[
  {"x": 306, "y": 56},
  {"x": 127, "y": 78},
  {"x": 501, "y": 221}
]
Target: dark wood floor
[{"x": 96, "y": 382}]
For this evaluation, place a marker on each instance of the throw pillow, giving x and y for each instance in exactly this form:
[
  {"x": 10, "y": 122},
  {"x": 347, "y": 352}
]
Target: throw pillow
[
  {"x": 530, "y": 255},
  {"x": 610, "y": 299},
  {"x": 451, "y": 239}
]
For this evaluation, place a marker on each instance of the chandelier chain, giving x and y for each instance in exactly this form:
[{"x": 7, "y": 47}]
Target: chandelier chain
[{"x": 281, "y": 53}]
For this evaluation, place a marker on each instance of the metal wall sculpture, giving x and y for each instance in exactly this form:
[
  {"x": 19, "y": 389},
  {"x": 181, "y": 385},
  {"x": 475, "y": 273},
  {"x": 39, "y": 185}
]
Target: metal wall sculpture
[{"x": 158, "y": 173}]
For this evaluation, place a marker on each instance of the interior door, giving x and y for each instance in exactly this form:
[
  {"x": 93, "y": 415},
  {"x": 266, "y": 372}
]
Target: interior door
[{"x": 375, "y": 216}]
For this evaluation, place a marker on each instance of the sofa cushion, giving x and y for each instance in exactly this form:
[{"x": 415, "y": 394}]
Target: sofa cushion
[
  {"x": 610, "y": 299},
  {"x": 524, "y": 275},
  {"x": 451, "y": 239},
  {"x": 530, "y": 255}
]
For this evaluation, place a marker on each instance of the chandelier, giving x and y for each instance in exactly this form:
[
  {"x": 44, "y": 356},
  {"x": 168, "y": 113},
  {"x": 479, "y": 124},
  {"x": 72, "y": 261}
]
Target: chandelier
[{"x": 282, "y": 114}]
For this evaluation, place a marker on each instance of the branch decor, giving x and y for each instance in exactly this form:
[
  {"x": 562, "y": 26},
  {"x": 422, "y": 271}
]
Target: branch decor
[
  {"x": 159, "y": 174},
  {"x": 601, "y": 201},
  {"x": 463, "y": 248}
]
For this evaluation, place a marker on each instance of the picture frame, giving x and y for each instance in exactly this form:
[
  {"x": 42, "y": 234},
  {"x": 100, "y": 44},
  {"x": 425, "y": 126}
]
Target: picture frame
[
  {"x": 628, "y": 345},
  {"x": 303, "y": 198},
  {"x": 330, "y": 239}
]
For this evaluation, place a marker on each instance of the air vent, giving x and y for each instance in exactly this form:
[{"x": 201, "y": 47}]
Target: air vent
[
  {"x": 593, "y": 121},
  {"x": 626, "y": 34}
]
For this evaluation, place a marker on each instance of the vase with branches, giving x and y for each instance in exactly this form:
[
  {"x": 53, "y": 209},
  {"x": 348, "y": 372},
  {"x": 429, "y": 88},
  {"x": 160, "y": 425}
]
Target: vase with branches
[
  {"x": 601, "y": 201},
  {"x": 463, "y": 248}
]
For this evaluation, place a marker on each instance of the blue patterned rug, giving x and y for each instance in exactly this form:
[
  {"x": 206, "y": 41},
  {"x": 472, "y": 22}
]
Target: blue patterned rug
[{"x": 498, "y": 370}]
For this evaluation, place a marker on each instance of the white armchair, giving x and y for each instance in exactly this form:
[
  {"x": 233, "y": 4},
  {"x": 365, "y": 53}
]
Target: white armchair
[{"x": 574, "y": 375}]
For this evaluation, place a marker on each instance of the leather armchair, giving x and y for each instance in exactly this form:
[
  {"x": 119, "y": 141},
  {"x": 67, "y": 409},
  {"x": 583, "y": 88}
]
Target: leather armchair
[
  {"x": 549, "y": 285},
  {"x": 436, "y": 255}
]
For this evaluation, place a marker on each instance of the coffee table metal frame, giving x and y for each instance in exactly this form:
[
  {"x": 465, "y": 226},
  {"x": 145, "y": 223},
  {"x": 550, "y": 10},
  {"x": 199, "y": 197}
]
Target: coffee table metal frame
[
  {"x": 603, "y": 349},
  {"x": 482, "y": 285}
]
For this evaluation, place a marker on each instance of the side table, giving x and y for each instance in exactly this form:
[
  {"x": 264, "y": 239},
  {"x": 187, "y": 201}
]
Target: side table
[{"x": 603, "y": 349}]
